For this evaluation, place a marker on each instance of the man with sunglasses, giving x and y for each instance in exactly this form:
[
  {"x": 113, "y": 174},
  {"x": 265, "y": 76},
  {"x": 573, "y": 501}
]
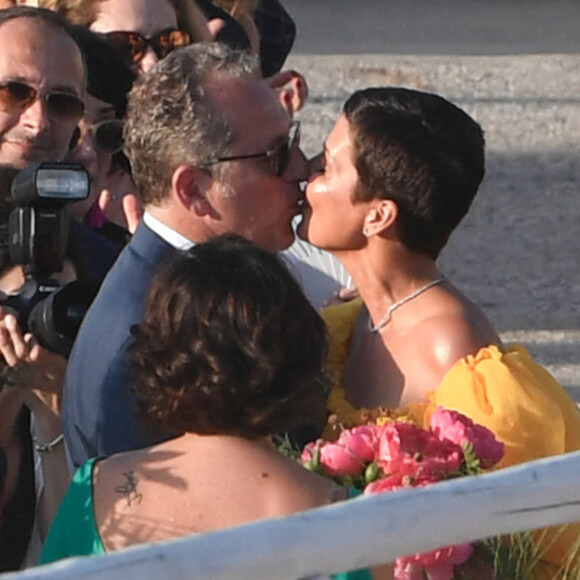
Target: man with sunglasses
[
  {"x": 42, "y": 83},
  {"x": 212, "y": 152},
  {"x": 41, "y": 86}
]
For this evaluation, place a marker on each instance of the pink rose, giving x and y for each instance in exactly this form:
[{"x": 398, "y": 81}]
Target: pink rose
[
  {"x": 400, "y": 480},
  {"x": 397, "y": 441},
  {"x": 440, "y": 458},
  {"x": 438, "y": 564},
  {"x": 406, "y": 448},
  {"x": 338, "y": 460},
  {"x": 362, "y": 441},
  {"x": 455, "y": 427}
]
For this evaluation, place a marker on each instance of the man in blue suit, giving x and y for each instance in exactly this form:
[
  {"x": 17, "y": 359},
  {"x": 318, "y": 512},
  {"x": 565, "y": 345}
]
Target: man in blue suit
[{"x": 212, "y": 151}]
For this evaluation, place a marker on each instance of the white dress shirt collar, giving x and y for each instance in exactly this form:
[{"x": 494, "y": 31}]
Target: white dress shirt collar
[{"x": 172, "y": 237}]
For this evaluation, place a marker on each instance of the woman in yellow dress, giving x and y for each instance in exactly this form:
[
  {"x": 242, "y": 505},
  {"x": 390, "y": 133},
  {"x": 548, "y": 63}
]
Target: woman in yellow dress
[{"x": 398, "y": 173}]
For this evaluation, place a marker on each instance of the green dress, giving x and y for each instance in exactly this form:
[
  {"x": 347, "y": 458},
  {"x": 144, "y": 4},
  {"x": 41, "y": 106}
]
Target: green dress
[{"x": 82, "y": 538}]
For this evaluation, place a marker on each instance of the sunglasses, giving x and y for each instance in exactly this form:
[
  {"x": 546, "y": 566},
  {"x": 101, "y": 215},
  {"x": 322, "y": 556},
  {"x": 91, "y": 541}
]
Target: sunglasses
[
  {"x": 16, "y": 97},
  {"x": 135, "y": 45},
  {"x": 107, "y": 135},
  {"x": 278, "y": 158}
]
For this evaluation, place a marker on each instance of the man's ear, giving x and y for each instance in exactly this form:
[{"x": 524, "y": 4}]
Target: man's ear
[
  {"x": 189, "y": 185},
  {"x": 381, "y": 217}
]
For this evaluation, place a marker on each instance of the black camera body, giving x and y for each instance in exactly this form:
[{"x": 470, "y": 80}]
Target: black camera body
[{"x": 38, "y": 239}]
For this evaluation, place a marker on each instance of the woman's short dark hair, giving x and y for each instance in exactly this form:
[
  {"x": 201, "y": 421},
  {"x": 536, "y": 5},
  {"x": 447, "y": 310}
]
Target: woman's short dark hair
[
  {"x": 229, "y": 345},
  {"x": 421, "y": 151}
]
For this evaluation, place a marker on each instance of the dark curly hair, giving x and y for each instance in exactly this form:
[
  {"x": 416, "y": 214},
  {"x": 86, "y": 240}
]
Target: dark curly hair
[{"x": 229, "y": 345}]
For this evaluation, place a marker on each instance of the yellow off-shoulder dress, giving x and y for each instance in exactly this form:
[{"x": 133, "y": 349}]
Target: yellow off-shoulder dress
[{"x": 503, "y": 389}]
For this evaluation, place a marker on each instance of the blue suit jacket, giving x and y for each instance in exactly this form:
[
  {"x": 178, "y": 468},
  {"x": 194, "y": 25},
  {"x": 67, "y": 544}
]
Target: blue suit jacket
[
  {"x": 98, "y": 253},
  {"x": 99, "y": 411}
]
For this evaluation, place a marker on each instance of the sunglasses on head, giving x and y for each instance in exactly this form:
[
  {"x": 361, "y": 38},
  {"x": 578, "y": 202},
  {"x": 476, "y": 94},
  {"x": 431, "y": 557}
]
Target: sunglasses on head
[
  {"x": 278, "y": 158},
  {"x": 16, "y": 97},
  {"x": 135, "y": 45},
  {"x": 107, "y": 135}
]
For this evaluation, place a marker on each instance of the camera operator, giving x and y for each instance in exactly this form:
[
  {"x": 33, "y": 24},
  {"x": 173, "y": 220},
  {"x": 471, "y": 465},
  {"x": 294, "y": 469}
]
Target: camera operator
[
  {"x": 38, "y": 265},
  {"x": 42, "y": 81},
  {"x": 31, "y": 383}
]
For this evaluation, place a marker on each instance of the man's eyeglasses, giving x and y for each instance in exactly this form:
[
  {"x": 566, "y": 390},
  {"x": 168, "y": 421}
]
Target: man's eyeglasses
[
  {"x": 278, "y": 158},
  {"x": 135, "y": 45},
  {"x": 107, "y": 135},
  {"x": 16, "y": 97}
]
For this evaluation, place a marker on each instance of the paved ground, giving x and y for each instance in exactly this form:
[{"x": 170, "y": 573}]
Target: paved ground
[
  {"x": 517, "y": 251},
  {"x": 457, "y": 27}
]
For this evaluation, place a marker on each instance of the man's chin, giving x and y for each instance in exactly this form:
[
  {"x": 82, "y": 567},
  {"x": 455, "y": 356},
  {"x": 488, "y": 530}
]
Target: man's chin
[
  {"x": 15, "y": 162},
  {"x": 20, "y": 154}
]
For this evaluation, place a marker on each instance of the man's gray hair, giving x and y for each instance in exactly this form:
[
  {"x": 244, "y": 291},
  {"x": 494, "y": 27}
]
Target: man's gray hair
[{"x": 171, "y": 120}]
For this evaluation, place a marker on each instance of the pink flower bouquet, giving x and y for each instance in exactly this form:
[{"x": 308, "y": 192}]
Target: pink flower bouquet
[{"x": 399, "y": 454}]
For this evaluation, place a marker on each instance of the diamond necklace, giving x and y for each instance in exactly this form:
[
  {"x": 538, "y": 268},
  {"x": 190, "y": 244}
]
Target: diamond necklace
[{"x": 387, "y": 317}]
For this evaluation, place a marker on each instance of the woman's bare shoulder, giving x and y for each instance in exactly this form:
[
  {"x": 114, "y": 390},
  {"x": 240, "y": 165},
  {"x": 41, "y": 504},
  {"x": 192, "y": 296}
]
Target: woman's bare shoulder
[
  {"x": 291, "y": 488},
  {"x": 119, "y": 491},
  {"x": 451, "y": 335}
]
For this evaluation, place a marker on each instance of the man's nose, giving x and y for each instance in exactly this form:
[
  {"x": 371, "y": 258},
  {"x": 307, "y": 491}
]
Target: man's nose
[
  {"x": 36, "y": 116},
  {"x": 298, "y": 166}
]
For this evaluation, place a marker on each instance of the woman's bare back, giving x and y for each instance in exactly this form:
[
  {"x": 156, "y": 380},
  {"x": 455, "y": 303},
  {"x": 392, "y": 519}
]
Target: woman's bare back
[{"x": 197, "y": 484}]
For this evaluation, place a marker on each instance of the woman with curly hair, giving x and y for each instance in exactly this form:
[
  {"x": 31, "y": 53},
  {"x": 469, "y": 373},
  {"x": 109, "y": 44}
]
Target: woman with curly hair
[{"x": 229, "y": 352}]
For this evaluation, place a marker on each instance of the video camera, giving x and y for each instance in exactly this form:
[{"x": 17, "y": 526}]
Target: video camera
[{"x": 38, "y": 238}]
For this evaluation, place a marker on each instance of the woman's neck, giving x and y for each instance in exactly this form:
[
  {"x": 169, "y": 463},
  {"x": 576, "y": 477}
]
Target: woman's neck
[
  {"x": 385, "y": 276},
  {"x": 217, "y": 441}
]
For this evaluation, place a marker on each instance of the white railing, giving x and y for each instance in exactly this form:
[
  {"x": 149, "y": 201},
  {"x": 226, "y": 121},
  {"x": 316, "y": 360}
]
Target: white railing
[{"x": 353, "y": 534}]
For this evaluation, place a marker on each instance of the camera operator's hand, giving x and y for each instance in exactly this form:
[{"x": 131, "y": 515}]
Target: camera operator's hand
[
  {"x": 131, "y": 208},
  {"x": 36, "y": 375},
  {"x": 133, "y": 211},
  {"x": 32, "y": 367}
]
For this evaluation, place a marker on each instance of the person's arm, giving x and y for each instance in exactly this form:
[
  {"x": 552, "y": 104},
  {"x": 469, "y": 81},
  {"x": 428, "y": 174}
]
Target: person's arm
[{"x": 38, "y": 375}]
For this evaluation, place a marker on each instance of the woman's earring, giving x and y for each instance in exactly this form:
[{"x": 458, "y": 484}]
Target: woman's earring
[{"x": 366, "y": 231}]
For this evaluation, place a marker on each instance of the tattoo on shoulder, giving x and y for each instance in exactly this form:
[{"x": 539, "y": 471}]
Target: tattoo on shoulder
[{"x": 129, "y": 488}]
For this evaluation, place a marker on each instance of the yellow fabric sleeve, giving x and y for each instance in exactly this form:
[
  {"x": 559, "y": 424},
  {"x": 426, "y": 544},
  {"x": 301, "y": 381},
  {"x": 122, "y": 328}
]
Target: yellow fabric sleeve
[
  {"x": 517, "y": 399},
  {"x": 531, "y": 413}
]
